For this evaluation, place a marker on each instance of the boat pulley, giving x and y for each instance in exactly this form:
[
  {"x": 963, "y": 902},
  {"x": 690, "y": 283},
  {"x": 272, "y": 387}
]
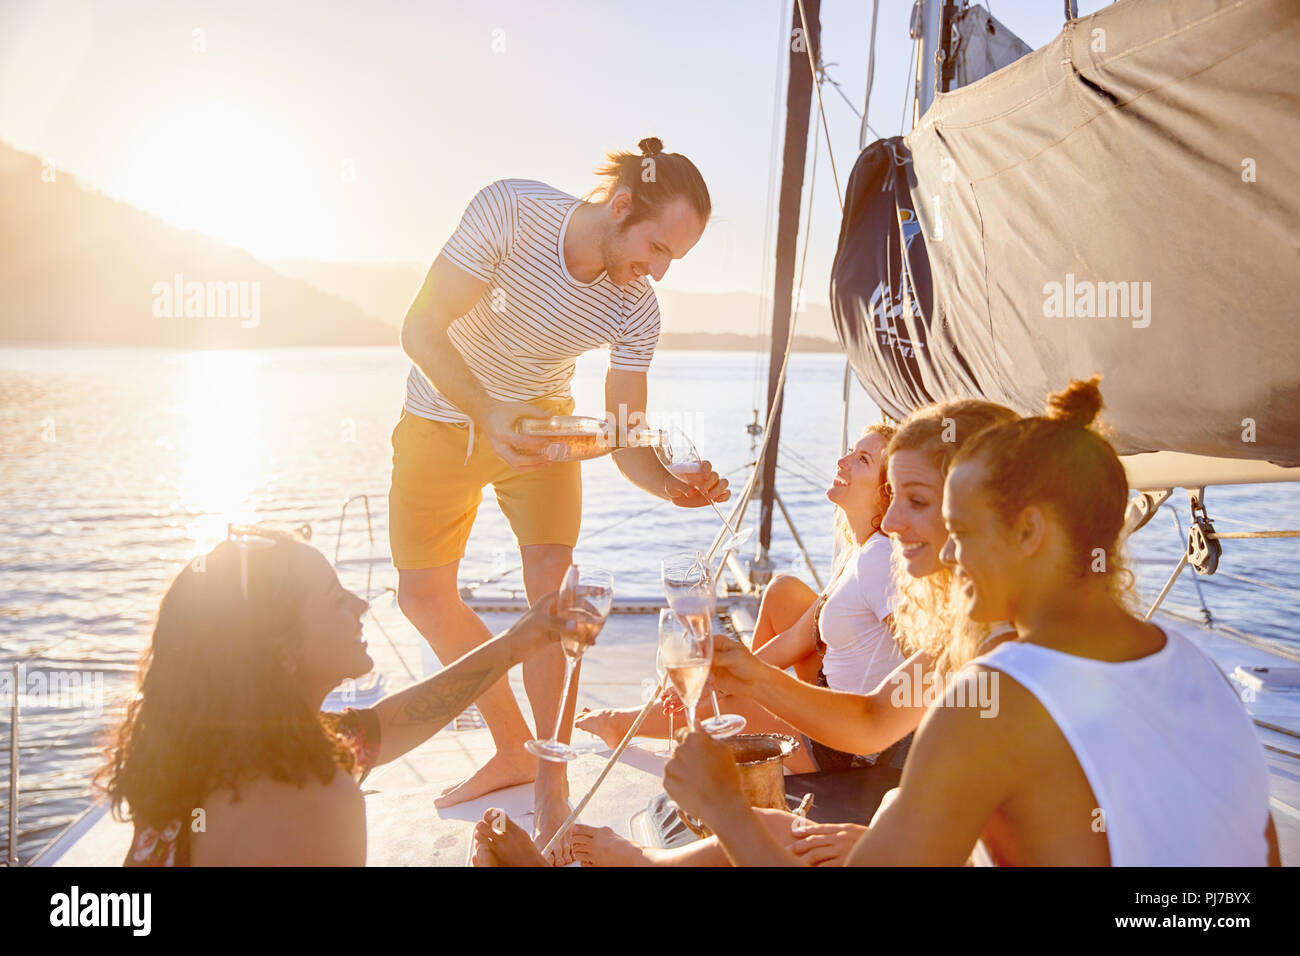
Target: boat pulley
[{"x": 1203, "y": 548}]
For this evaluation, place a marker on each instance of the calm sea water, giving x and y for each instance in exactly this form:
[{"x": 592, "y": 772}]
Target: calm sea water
[{"x": 118, "y": 465}]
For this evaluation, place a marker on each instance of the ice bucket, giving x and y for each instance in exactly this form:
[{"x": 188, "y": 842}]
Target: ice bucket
[{"x": 760, "y": 758}]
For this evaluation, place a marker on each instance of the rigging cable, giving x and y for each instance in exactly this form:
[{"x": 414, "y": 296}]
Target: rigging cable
[
  {"x": 911, "y": 80},
  {"x": 817, "y": 88},
  {"x": 760, "y": 332},
  {"x": 871, "y": 80}
]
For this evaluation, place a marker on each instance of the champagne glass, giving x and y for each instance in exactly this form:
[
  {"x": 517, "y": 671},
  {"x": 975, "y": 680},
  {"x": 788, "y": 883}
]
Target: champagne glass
[
  {"x": 680, "y": 457},
  {"x": 690, "y": 588},
  {"x": 687, "y": 655},
  {"x": 667, "y": 623},
  {"x": 585, "y": 598}
]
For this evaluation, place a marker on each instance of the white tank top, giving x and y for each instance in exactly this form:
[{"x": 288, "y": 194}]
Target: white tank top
[{"x": 1167, "y": 747}]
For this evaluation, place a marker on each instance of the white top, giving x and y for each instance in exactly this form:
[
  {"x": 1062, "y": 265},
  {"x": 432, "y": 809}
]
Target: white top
[
  {"x": 1167, "y": 747},
  {"x": 521, "y": 338},
  {"x": 860, "y": 651}
]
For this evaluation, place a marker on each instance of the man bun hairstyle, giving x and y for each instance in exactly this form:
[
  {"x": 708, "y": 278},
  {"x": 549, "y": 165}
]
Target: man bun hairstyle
[
  {"x": 655, "y": 179},
  {"x": 1077, "y": 405}
]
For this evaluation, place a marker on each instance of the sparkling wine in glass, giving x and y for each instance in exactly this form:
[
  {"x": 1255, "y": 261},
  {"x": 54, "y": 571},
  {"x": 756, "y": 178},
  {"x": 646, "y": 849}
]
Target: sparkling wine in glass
[
  {"x": 690, "y": 588},
  {"x": 678, "y": 454},
  {"x": 585, "y": 598},
  {"x": 686, "y": 657}
]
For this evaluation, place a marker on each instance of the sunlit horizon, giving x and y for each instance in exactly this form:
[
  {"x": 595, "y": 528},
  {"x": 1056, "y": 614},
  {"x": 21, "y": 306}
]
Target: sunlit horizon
[{"x": 314, "y": 133}]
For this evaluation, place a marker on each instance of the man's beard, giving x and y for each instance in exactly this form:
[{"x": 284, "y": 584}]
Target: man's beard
[{"x": 611, "y": 255}]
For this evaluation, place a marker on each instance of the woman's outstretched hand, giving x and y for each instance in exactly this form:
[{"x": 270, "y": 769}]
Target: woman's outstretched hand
[{"x": 549, "y": 624}]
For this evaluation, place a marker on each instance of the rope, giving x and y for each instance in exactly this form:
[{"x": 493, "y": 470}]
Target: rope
[
  {"x": 847, "y": 102},
  {"x": 609, "y": 765},
  {"x": 1219, "y": 518},
  {"x": 760, "y": 328},
  {"x": 820, "y": 486},
  {"x": 1257, "y": 583},
  {"x": 871, "y": 80},
  {"x": 1254, "y": 534},
  {"x": 817, "y": 86},
  {"x": 911, "y": 85}
]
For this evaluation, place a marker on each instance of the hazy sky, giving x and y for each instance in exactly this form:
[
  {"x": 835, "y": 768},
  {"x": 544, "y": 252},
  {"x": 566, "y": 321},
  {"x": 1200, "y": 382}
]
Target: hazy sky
[{"x": 358, "y": 131}]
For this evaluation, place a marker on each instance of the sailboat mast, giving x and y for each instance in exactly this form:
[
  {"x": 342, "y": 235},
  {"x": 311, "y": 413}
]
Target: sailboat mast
[{"x": 798, "y": 114}]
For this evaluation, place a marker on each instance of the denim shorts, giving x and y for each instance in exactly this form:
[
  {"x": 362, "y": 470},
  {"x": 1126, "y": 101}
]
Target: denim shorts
[{"x": 825, "y": 757}]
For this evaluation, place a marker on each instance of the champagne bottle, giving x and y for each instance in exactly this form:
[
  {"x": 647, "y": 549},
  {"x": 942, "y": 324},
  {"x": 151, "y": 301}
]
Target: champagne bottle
[{"x": 580, "y": 438}]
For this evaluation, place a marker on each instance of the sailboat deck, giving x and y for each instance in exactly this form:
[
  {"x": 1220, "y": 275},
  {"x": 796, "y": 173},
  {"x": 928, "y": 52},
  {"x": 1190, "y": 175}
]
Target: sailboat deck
[{"x": 405, "y": 828}]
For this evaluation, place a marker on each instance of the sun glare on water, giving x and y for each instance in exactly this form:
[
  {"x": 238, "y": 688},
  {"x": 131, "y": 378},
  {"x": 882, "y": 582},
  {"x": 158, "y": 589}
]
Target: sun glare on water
[{"x": 222, "y": 443}]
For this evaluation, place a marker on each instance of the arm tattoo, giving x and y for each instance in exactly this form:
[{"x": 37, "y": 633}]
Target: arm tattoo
[{"x": 442, "y": 697}]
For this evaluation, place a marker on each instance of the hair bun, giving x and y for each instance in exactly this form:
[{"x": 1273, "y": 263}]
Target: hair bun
[
  {"x": 651, "y": 146},
  {"x": 1078, "y": 404}
]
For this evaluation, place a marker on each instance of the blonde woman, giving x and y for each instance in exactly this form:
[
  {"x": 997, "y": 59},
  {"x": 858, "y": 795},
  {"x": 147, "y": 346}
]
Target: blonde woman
[{"x": 838, "y": 639}]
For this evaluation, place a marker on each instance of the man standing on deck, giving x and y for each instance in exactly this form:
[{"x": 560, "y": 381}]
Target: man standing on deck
[{"x": 531, "y": 279}]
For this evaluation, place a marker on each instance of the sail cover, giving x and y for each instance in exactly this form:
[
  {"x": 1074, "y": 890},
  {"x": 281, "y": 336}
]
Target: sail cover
[{"x": 1123, "y": 200}]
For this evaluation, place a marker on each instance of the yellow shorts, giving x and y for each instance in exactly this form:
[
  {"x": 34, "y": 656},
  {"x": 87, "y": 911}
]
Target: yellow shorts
[{"x": 435, "y": 493}]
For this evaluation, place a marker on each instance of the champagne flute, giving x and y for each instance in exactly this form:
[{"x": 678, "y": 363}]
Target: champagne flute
[
  {"x": 690, "y": 588},
  {"x": 585, "y": 598},
  {"x": 681, "y": 458},
  {"x": 687, "y": 656},
  {"x": 667, "y": 623}
]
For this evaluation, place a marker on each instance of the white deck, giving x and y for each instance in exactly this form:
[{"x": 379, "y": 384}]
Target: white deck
[{"x": 406, "y": 829}]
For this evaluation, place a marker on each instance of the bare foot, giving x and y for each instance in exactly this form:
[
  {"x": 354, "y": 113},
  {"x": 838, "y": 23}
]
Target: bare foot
[
  {"x": 549, "y": 813},
  {"x": 609, "y": 725},
  {"x": 562, "y": 855},
  {"x": 499, "y": 841},
  {"x": 601, "y": 846},
  {"x": 506, "y": 768}
]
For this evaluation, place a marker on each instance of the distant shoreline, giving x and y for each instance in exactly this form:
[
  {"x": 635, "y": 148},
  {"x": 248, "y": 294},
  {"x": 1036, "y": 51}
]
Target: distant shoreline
[{"x": 669, "y": 342}]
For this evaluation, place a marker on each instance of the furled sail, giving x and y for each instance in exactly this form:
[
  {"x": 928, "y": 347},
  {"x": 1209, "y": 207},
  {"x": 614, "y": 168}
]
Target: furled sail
[{"x": 1123, "y": 200}]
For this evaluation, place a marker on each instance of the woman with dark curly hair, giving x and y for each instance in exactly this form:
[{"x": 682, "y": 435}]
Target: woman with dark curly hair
[{"x": 224, "y": 756}]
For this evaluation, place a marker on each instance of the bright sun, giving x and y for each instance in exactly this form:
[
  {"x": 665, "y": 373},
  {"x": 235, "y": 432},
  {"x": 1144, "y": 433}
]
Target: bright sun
[{"x": 234, "y": 176}]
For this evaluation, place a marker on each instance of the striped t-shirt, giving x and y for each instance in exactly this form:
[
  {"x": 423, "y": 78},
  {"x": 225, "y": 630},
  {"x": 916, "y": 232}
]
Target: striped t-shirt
[{"x": 522, "y": 337}]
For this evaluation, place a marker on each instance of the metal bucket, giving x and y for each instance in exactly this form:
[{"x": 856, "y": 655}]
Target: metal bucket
[{"x": 760, "y": 758}]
